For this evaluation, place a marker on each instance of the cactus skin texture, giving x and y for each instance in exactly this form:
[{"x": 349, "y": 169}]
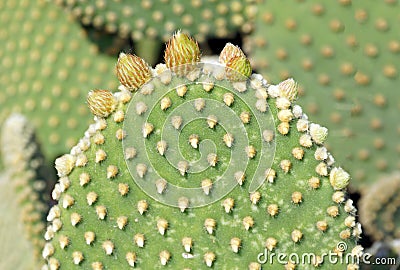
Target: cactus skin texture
[
  {"x": 159, "y": 19},
  {"x": 46, "y": 64},
  {"x": 379, "y": 209},
  {"x": 346, "y": 55},
  {"x": 149, "y": 23},
  {"x": 136, "y": 201},
  {"x": 16, "y": 250},
  {"x": 23, "y": 194}
]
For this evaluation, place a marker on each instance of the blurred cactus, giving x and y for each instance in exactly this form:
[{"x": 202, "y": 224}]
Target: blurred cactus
[
  {"x": 16, "y": 251},
  {"x": 24, "y": 192},
  {"x": 346, "y": 55},
  {"x": 46, "y": 64},
  {"x": 161, "y": 18},
  {"x": 380, "y": 208},
  {"x": 172, "y": 175},
  {"x": 148, "y": 23}
]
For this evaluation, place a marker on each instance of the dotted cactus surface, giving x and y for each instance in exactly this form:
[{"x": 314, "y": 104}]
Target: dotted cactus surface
[
  {"x": 25, "y": 185},
  {"x": 161, "y": 18},
  {"x": 137, "y": 194},
  {"x": 346, "y": 56},
  {"x": 47, "y": 65}
]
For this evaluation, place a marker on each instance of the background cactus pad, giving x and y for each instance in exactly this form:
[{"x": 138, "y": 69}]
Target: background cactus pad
[{"x": 346, "y": 55}]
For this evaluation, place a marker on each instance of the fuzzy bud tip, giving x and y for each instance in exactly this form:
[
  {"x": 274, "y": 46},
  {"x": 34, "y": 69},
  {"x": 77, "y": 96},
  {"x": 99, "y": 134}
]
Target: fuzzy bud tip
[{"x": 101, "y": 102}]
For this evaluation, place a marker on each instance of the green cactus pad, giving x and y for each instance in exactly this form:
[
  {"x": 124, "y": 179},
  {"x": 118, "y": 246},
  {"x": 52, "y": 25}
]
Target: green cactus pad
[
  {"x": 24, "y": 195},
  {"x": 148, "y": 23},
  {"x": 159, "y": 19},
  {"x": 195, "y": 171},
  {"x": 47, "y": 64},
  {"x": 346, "y": 55}
]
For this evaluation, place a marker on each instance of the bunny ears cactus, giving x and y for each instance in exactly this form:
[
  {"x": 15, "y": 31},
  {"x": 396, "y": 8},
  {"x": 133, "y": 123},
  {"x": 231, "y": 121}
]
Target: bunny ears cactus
[{"x": 211, "y": 148}]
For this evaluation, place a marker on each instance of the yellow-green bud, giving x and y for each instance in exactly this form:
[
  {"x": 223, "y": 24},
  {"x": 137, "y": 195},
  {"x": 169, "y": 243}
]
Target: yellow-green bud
[
  {"x": 181, "y": 50},
  {"x": 132, "y": 71},
  {"x": 238, "y": 69},
  {"x": 101, "y": 102}
]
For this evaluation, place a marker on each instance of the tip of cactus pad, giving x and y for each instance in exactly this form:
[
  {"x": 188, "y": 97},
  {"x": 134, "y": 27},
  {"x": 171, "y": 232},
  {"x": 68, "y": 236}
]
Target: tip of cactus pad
[{"x": 205, "y": 146}]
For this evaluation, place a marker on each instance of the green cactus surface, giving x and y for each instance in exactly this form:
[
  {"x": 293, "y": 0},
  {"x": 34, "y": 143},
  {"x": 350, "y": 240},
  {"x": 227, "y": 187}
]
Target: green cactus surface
[
  {"x": 25, "y": 186},
  {"x": 47, "y": 64},
  {"x": 161, "y": 18},
  {"x": 194, "y": 165},
  {"x": 380, "y": 208},
  {"x": 149, "y": 23},
  {"x": 346, "y": 55}
]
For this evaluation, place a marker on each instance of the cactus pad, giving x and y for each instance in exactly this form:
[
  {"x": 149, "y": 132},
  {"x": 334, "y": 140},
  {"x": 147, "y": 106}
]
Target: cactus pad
[
  {"x": 346, "y": 55},
  {"x": 159, "y": 19},
  {"x": 46, "y": 65},
  {"x": 194, "y": 170},
  {"x": 24, "y": 195}
]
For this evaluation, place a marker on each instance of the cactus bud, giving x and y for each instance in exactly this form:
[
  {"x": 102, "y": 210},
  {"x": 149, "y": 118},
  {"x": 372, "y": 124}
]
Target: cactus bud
[
  {"x": 238, "y": 69},
  {"x": 132, "y": 71},
  {"x": 101, "y": 102},
  {"x": 181, "y": 50},
  {"x": 229, "y": 52}
]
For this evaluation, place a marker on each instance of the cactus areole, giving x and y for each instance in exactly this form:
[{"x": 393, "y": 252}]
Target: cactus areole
[{"x": 204, "y": 165}]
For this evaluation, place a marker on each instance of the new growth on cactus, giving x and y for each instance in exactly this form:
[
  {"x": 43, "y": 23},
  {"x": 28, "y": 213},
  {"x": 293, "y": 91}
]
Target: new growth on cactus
[{"x": 199, "y": 166}]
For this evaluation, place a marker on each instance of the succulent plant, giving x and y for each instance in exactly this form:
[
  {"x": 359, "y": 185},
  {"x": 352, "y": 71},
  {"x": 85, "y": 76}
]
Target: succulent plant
[
  {"x": 379, "y": 208},
  {"x": 346, "y": 55},
  {"x": 149, "y": 23},
  {"x": 46, "y": 65},
  {"x": 23, "y": 196},
  {"x": 16, "y": 251},
  {"x": 197, "y": 165}
]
